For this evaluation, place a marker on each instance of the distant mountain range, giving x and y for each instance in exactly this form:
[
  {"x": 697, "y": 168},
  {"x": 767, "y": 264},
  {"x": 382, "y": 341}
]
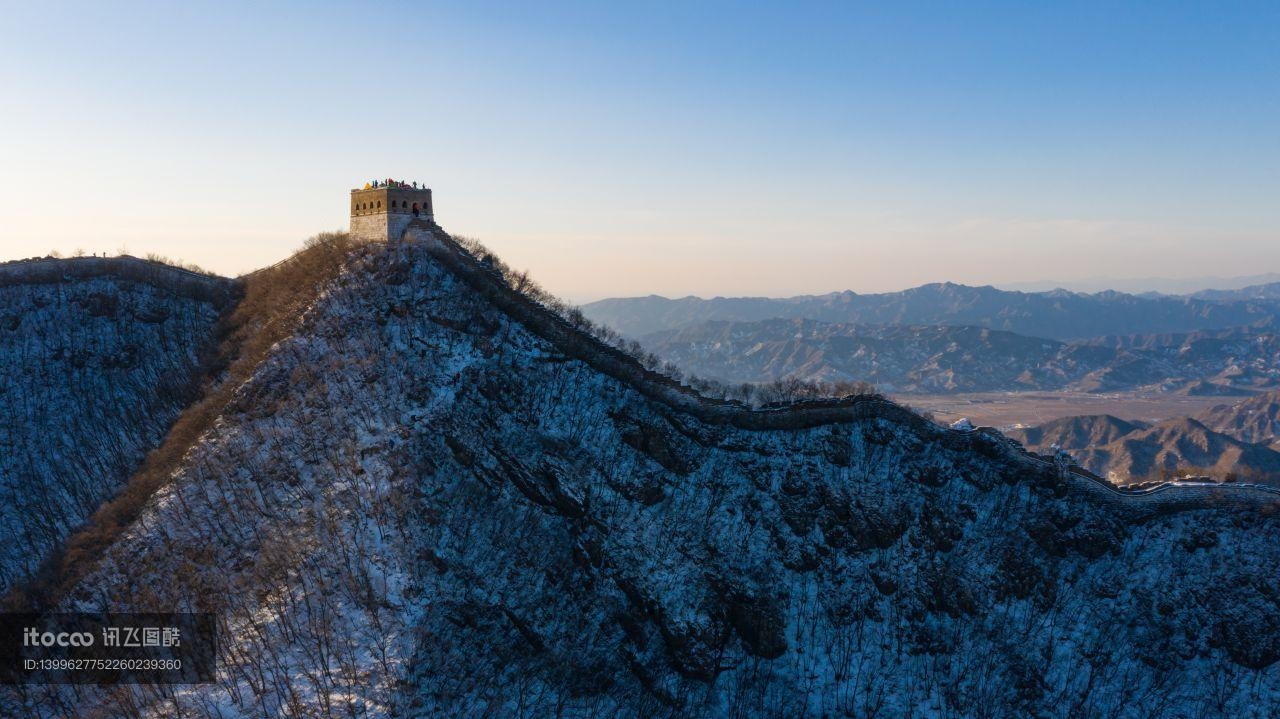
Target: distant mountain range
[
  {"x": 1129, "y": 451},
  {"x": 1266, "y": 292},
  {"x": 1058, "y": 314},
  {"x": 1241, "y": 439},
  {"x": 1256, "y": 419},
  {"x": 948, "y": 338},
  {"x": 1144, "y": 285},
  {"x": 935, "y": 359}
]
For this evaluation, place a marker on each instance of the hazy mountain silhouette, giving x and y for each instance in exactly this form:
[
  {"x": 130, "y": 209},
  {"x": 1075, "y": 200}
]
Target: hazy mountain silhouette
[
  {"x": 933, "y": 358},
  {"x": 1057, "y": 314}
]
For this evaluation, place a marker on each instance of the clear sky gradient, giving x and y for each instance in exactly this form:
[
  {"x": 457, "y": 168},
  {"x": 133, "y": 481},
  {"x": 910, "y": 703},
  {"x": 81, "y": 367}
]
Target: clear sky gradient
[{"x": 682, "y": 148}]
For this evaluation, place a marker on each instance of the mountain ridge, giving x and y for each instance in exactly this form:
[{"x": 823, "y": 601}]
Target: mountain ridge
[
  {"x": 1256, "y": 419},
  {"x": 948, "y": 359},
  {"x": 426, "y": 480},
  {"x": 1059, "y": 315},
  {"x": 1130, "y": 452}
]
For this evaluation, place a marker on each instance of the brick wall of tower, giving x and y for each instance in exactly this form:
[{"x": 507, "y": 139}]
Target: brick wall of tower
[
  {"x": 369, "y": 228},
  {"x": 382, "y": 214},
  {"x": 383, "y": 227}
]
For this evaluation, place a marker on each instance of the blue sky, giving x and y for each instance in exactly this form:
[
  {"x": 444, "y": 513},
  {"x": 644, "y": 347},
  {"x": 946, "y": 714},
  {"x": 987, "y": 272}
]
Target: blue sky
[{"x": 621, "y": 149}]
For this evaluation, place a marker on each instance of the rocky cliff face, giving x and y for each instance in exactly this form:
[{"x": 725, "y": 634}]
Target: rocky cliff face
[
  {"x": 97, "y": 357},
  {"x": 435, "y": 499}
]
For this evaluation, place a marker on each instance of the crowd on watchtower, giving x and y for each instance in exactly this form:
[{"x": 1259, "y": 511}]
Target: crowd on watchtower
[{"x": 398, "y": 184}]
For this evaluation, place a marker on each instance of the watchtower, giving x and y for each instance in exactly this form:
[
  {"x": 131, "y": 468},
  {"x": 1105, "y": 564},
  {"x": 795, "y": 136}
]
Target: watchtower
[{"x": 383, "y": 209}]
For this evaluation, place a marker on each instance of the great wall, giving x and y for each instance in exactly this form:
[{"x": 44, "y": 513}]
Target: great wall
[
  {"x": 1163, "y": 498},
  {"x": 418, "y": 228}
]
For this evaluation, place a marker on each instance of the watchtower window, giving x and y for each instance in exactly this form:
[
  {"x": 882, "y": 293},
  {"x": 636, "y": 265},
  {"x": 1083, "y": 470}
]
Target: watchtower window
[{"x": 379, "y": 204}]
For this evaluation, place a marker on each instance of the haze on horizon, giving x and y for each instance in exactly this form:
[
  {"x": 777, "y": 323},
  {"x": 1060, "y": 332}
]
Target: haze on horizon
[{"x": 708, "y": 149}]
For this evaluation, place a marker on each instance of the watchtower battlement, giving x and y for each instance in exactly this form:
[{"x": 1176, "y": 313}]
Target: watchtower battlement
[{"x": 383, "y": 209}]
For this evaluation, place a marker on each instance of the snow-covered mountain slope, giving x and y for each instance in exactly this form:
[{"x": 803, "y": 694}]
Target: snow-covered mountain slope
[
  {"x": 97, "y": 357},
  {"x": 435, "y": 499}
]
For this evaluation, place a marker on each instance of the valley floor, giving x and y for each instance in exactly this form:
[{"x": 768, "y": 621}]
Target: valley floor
[{"x": 1005, "y": 409}]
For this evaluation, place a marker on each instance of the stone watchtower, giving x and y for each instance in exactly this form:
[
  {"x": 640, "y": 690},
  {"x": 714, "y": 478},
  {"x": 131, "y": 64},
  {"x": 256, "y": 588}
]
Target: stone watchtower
[{"x": 382, "y": 210}]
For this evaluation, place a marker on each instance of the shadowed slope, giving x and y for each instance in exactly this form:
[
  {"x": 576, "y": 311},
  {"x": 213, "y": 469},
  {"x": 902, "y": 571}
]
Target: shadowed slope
[{"x": 97, "y": 358}]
